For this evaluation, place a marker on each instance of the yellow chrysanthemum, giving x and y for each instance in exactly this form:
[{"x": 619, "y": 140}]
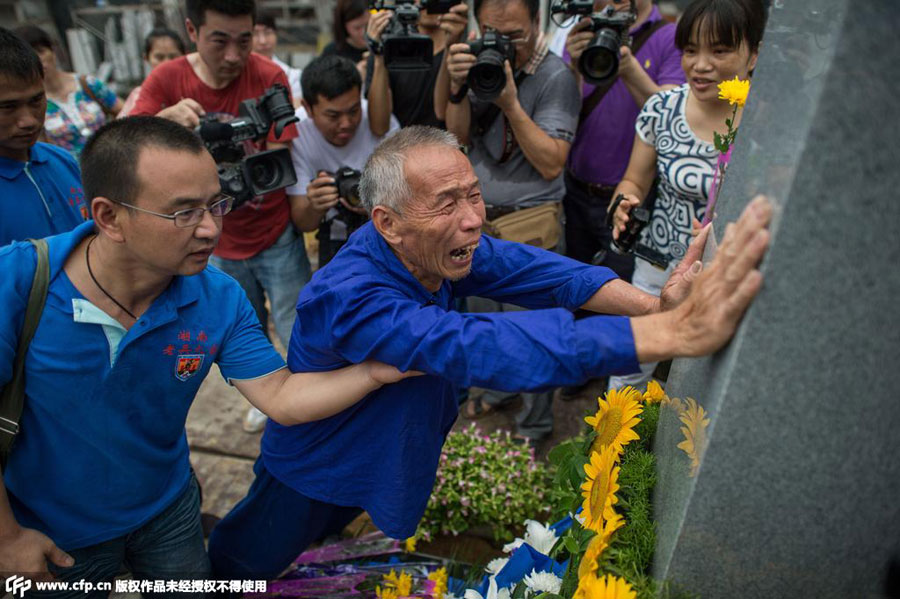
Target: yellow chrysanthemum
[
  {"x": 600, "y": 488},
  {"x": 735, "y": 91},
  {"x": 395, "y": 586},
  {"x": 409, "y": 545},
  {"x": 439, "y": 577},
  {"x": 654, "y": 393},
  {"x": 614, "y": 422},
  {"x": 606, "y": 587},
  {"x": 695, "y": 422}
]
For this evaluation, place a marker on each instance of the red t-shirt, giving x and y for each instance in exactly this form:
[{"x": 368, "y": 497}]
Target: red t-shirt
[{"x": 257, "y": 224}]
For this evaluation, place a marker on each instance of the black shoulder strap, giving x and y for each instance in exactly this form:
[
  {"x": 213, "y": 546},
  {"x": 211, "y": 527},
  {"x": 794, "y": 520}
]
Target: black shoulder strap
[
  {"x": 12, "y": 399},
  {"x": 637, "y": 42}
]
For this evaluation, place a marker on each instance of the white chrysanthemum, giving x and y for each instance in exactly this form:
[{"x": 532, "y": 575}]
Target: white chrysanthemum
[
  {"x": 510, "y": 547},
  {"x": 495, "y": 565},
  {"x": 540, "y": 536},
  {"x": 492, "y": 593},
  {"x": 542, "y": 582}
]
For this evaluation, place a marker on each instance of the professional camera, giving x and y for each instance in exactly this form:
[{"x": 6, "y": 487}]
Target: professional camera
[
  {"x": 243, "y": 176},
  {"x": 438, "y": 7},
  {"x": 346, "y": 179},
  {"x": 600, "y": 60},
  {"x": 487, "y": 77},
  {"x": 627, "y": 243},
  {"x": 403, "y": 47}
]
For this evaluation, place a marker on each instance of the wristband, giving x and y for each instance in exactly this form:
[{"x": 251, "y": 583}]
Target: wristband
[
  {"x": 376, "y": 48},
  {"x": 461, "y": 95}
]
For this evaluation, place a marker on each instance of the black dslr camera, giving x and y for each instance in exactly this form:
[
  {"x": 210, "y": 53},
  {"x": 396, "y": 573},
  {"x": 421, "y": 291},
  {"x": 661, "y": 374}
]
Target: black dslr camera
[
  {"x": 346, "y": 179},
  {"x": 487, "y": 77},
  {"x": 600, "y": 60},
  {"x": 627, "y": 241},
  {"x": 245, "y": 177},
  {"x": 403, "y": 47}
]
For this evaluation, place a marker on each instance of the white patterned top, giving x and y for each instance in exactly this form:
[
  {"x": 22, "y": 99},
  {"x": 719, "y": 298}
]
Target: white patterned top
[{"x": 685, "y": 166}]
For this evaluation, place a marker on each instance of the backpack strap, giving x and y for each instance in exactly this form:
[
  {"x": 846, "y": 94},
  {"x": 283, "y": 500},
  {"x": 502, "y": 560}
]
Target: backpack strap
[{"x": 12, "y": 398}]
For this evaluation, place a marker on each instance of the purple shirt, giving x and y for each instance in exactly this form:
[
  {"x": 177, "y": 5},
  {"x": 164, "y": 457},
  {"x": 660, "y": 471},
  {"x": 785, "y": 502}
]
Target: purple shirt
[{"x": 603, "y": 143}]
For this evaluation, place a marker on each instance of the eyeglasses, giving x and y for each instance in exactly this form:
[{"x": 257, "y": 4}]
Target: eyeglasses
[
  {"x": 191, "y": 216},
  {"x": 516, "y": 40}
]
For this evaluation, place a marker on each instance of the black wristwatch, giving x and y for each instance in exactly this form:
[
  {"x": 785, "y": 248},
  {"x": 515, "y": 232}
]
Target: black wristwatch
[
  {"x": 376, "y": 48},
  {"x": 461, "y": 95}
]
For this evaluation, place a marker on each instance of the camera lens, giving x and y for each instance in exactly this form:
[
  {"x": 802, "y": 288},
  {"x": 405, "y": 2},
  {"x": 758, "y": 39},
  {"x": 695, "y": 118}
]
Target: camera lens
[
  {"x": 487, "y": 76},
  {"x": 600, "y": 60},
  {"x": 265, "y": 174}
]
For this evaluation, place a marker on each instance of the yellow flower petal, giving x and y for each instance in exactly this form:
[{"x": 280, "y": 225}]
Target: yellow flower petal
[{"x": 735, "y": 91}]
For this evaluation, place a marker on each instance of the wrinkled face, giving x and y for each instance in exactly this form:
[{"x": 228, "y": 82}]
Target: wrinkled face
[
  {"x": 356, "y": 30},
  {"x": 223, "y": 43},
  {"x": 441, "y": 224},
  {"x": 707, "y": 63},
  {"x": 264, "y": 40},
  {"x": 338, "y": 118},
  {"x": 162, "y": 49},
  {"x": 190, "y": 181},
  {"x": 511, "y": 18},
  {"x": 22, "y": 109}
]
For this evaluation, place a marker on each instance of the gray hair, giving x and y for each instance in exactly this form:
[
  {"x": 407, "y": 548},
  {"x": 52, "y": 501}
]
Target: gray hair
[{"x": 383, "y": 181}]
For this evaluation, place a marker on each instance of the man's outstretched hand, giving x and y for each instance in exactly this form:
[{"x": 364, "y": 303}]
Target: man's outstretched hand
[{"x": 719, "y": 295}]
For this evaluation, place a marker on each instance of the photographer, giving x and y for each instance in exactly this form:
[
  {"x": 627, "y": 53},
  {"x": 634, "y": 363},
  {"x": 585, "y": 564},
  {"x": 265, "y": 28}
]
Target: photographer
[
  {"x": 407, "y": 94},
  {"x": 518, "y": 144},
  {"x": 606, "y": 130},
  {"x": 260, "y": 246},
  {"x": 335, "y": 132}
]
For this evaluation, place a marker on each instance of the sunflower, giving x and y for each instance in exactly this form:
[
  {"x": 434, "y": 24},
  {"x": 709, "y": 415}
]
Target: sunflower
[
  {"x": 735, "y": 91},
  {"x": 614, "y": 422},
  {"x": 595, "y": 549},
  {"x": 607, "y": 587},
  {"x": 654, "y": 393},
  {"x": 394, "y": 586},
  {"x": 695, "y": 422},
  {"x": 600, "y": 488}
]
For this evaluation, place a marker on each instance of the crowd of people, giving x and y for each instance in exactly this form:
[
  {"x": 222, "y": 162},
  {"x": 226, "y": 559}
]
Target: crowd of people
[{"x": 400, "y": 172}]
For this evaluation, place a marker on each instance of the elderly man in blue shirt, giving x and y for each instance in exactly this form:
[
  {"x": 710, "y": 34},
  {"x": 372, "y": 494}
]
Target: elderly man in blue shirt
[{"x": 388, "y": 295}]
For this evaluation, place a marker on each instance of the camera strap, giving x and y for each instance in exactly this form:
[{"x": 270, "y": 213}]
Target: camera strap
[
  {"x": 637, "y": 42},
  {"x": 487, "y": 118}
]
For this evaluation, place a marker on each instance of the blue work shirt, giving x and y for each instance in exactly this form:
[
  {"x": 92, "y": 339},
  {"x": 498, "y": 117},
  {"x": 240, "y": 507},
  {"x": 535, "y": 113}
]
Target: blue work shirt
[
  {"x": 102, "y": 448},
  {"x": 41, "y": 197},
  {"x": 382, "y": 453}
]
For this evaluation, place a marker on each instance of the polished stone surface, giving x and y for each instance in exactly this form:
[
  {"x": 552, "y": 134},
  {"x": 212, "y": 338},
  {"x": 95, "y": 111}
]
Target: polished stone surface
[{"x": 798, "y": 491}]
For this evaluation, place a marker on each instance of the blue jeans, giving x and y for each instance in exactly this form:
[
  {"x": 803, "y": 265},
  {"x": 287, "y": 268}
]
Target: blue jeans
[
  {"x": 269, "y": 528},
  {"x": 279, "y": 271},
  {"x": 168, "y": 547}
]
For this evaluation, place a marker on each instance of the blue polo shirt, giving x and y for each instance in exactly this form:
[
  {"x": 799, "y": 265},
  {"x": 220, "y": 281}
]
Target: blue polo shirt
[
  {"x": 41, "y": 197},
  {"x": 382, "y": 453},
  {"x": 102, "y": 449}
]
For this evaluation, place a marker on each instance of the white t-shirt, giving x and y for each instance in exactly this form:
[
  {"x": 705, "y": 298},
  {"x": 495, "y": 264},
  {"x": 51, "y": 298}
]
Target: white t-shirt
[
  {"x": 293, "y": 76},
  {"x": 311, "y": 153}
]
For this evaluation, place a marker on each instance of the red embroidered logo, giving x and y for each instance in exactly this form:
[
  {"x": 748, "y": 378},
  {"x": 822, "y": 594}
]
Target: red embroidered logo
[{"x": 188, "y": 365}]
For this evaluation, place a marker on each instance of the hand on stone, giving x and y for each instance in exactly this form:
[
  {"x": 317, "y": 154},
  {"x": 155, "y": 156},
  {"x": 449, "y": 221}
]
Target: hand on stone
[
  {"x": 682, "y": 278},
  {"x": 708, "y": 317},
  {"x": 26, "y": 552}
]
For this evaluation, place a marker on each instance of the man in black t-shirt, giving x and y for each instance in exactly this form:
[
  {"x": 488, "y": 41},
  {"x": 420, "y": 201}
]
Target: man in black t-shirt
[{"x": 409, "y": 95}]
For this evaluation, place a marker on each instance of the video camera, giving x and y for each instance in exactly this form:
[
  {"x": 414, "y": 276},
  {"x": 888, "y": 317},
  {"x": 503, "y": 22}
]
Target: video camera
[
  {"x": 403, "y": 47},
  {"x": 600, "y": 60},
  {"x": 245, "y": 177},
  {"x": 487, "y": 77}
]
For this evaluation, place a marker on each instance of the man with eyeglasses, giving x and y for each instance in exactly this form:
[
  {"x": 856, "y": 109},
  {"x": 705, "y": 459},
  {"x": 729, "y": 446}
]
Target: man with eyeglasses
[
  {"x": 39, "y": 183},
  {"x": 98, "y": 478},
  {"x": 518, "y": 144},
  {"x": 261, "y": 246}
]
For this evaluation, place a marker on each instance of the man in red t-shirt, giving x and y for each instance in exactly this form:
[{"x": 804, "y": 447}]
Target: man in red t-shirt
[{"x": 260, "y": 246}]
